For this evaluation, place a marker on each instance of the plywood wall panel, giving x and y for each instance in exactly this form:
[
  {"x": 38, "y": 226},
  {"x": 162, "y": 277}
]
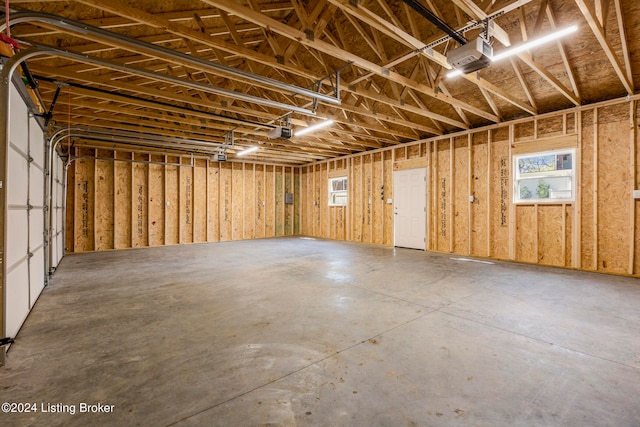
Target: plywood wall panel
[
  {"x": 480, "y": 191},
  {"x": 551, "y": 223},
  {"x": 140, "y": 201},
  {"x": 225, "y": 201},
  {"x": 249, "y": 202},
  {"x": 288, "y": 208},
  {"x": 200, "y": 201},
  {"x": 84, "y": 204},
  {"x": 322, "y": 183},
  {"x": 587, "y": 187},
  {"x": 259, "y": 201},
  {"x": 70, "y": 207},
  {"x": 104, "y": 214},
  {"x": 214, "y": 202},
  {"x": 357, "y": 199},
  {"x": 270, "y": 199},
  {"x": 526, "y": 234},
  {"x": 524, "y": 131},
  {"x": 387, "y": 167},
  {"x": 550, "y": 126},
  {"x": 443, "y": 196},
  {"x": 377, "y": 202},
  {"x": 156, "y": 202},
  {"x": 186, "y": 202},
  {"x": 461, "y": 204},
  {"x": 279, "y": 201},
  {"x": 367, "y": 200},
  {"x": 297, "y": 199},
  {"x": 172, "y": 229},
  {"x": 614, "y": 187},
  {"x": 501, "y": 197},
  {"x": 123, "y": 194}
]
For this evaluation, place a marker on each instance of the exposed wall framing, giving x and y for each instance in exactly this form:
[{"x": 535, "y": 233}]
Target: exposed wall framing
[
  {"x": 120, "y": 199},
  {"x": 600, "y": 231}
]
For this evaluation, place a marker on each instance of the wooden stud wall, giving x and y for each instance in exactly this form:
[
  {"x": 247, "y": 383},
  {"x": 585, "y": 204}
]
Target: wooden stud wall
[
  {"x": 119, "y": 200},
  {"x": 600, "y": 231}
]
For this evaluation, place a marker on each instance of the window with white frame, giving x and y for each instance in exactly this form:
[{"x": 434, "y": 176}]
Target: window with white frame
[
  {"x": 338, "y": 191},
  {"x": 547, "y": 176}
]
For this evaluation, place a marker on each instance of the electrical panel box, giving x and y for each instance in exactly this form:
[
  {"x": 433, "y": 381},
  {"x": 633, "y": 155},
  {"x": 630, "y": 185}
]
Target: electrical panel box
[{"x": 288, "y": 198}]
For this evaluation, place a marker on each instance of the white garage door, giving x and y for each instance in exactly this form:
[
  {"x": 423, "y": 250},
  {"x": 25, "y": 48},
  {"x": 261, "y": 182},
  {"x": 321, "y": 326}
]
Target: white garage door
[
  {"x": 57, "y": 212},
  {"x": 25, "y": 254}
]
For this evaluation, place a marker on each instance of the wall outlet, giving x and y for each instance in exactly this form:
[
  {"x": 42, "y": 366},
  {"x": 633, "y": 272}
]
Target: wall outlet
[
  {"x": 471, "y": 199},
  {"x": 389, "y": 201},
  {"x": 636, "y": 194}
]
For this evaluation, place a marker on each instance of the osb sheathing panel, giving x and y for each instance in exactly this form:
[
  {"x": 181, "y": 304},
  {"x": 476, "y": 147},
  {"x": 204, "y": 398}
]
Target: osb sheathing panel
[
  {"x": 270, "y": 207},
  {"x": 387, "y": 168},
  {"x": 84, "y": 204},
  {"x": 367, "y": 199},
  {"x": 225, "y": 201},
  {"x": 213, "y": 218},
  {"x": 551, "y": 223},
  {"x": 377, "y": 202},
  {"x": 172, "y": 224},
  {"x": 526, "y": 233},
  {"x": 614, "y": 187},
  {"x": 499, "y": 196},
  {"x": 104, "y": 205},
  {"x": 480, "y": 192},
  {"x": 140, "y": 190},
  {"x": 461, "y": 204},
  {"x": 587, "y": 201},
  {"x": 156, "y": 202},
  {"x": 200, "y": 201},
  {"x": 259, "y": 229},
  {"x": 123, "y": 208},
  {"x": 279, "y": 201},
  {"x": 442, "y": 195},
  {"x": 138, "y": 200}
]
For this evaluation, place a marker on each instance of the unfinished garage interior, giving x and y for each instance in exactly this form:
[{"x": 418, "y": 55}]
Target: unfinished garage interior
[{"x": 324, "y": 213}]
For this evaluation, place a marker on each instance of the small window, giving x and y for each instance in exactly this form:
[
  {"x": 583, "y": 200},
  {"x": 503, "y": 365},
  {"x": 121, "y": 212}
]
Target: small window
[
  {"x": 544, "y": 177},
  {"x": 338, "y": 191}
]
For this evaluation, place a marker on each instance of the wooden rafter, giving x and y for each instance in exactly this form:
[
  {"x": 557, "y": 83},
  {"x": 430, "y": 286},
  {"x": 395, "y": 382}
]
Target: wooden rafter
[{"x": 597, "y": 29}]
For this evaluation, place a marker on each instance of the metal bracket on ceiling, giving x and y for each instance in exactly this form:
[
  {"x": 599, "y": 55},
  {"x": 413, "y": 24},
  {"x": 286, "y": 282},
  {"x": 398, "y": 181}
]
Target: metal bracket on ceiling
[
  {"x": 334, "y": 82},
  {"x": 228, "y": 138}
]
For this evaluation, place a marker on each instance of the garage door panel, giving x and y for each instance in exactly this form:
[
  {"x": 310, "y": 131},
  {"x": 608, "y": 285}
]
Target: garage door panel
[
  {"x": 60, "y": 247},
  {"x": 18, "y": 297},
  {"x": 36, "y": 229},
  {"x": 36, "y": 186},
  {"x": 36, "y": 276},
  {"x": 36, "y": 143},
  {"x": 18, "y": 121},
  {"x": 17, "y": 182},
  {"x": 16, "y": 236}
]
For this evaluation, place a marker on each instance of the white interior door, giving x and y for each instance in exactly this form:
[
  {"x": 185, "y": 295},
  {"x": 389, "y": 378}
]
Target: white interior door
[{"x": 410, "y": 208}]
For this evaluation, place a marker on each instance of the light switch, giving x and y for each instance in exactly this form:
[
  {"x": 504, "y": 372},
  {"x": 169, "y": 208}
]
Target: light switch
[{"x": 636, "y": 194}]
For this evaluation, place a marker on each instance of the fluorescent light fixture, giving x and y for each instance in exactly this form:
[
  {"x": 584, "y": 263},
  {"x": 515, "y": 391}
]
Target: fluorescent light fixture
[
  {"x": 454, "y": 73},
  {"x": 314, "y": 127},
  {"x": 247, "y": 151},
  {"x": 534, "y": 43}
]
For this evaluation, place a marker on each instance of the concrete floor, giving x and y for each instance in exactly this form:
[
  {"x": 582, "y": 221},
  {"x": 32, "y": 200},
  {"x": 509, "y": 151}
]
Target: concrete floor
[{"x": 315, "y": 333}]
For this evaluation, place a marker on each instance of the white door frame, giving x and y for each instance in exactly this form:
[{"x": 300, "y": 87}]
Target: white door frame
[{"x": 413, "y": 209}]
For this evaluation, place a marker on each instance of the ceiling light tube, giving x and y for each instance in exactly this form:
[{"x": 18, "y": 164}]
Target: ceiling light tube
[
  {"x": 248, "y": 150},
  {"x": 454, "y": 73},
  {"x": 534, "y": 43},
  {"x": 314, "y": 127}
]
